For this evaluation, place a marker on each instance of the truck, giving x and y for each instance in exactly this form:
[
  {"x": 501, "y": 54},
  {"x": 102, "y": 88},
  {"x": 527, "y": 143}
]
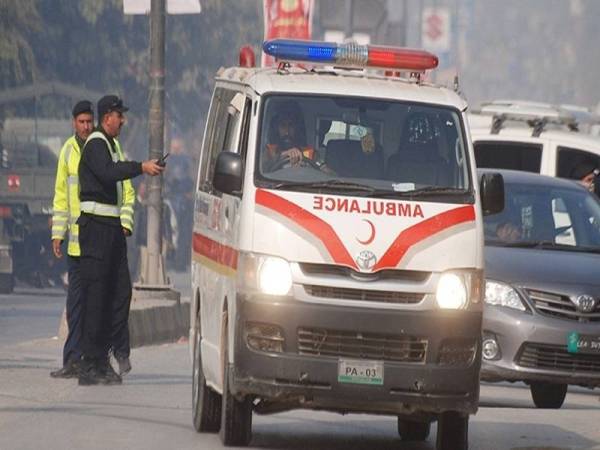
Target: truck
[{"x": 27, "y": 173}]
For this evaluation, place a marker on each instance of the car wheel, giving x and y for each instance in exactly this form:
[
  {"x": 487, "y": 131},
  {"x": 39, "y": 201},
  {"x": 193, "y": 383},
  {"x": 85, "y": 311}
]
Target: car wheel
[
  {"x": 548, "y": 395},
  {"x": 452, "y": 431},
  {"x": 7, "y": 283},
  {"x": 206, "y": 403},
  {"x": 236, "y": 415},
  {"x": 410, "y": 430}
]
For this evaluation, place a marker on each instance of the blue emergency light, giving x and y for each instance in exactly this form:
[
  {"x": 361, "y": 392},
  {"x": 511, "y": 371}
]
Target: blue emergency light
[{"x": 351, "y": 54}]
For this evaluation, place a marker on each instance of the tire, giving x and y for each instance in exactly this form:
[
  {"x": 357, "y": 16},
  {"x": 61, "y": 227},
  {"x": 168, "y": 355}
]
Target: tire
[
  {"x": 452, "y": 431},
  {"x": 206, "y": 403},
  {"x": 7, "y": 283},
  {"x": 548, "y": 395},
  {"x": 236, "y": 415},
  {"x": 410, "y": 430}
]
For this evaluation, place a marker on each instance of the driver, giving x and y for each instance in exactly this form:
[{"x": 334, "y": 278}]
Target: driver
[{"x": 287, "y": 141}]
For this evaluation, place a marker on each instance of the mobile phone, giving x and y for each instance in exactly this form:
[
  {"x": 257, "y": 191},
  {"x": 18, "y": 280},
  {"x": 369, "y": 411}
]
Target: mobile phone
[{"x": 162, "y": 161}]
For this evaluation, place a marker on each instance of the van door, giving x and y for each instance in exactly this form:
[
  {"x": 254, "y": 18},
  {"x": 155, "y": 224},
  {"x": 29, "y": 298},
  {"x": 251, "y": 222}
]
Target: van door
[{"x": 215, "y": 241}]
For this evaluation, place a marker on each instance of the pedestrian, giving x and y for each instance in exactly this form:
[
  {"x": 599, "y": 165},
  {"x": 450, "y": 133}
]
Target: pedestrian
[
  {"x": 65, "y": 213},
  {"x": 105, "y": 275}
]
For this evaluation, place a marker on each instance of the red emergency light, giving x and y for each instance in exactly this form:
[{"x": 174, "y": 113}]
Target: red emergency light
[{"x": 351, "y": 55}]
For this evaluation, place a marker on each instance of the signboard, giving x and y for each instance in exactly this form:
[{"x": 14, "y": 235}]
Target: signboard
[
  {"x": 286, "y": 19},
  {"x": 173, "y": 6},
  {"x": 435, "y": 30}
]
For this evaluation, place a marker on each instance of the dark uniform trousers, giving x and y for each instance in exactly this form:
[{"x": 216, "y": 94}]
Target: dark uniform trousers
[
  {"x": 72, "y": 348},
  {"x": 106, "y": 287}
]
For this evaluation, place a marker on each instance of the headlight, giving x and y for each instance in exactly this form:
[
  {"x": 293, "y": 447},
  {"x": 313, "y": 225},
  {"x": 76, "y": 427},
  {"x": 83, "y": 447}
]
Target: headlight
[
  {"x": 501, "y": 294},
  {"x": 268, "y": 274},
  {"x": 274, "y": 276},
  {"x": 451, "y": 291}
]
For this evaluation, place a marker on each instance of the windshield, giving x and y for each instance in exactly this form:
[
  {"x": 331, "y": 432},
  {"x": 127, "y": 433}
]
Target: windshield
[
  {"x": 547, "y": 218},
  {"x": 353, "y": 146}
]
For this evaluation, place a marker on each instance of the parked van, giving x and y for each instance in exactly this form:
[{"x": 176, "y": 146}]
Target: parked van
[
  {"x": 534, "y": 137},
  {"x": 338, "y": 245}
]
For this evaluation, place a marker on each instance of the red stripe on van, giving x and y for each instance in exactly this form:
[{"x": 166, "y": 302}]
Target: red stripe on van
[
  {"x": 311, "y": 223},
  {"x": 421, "y": 231},
  {"x": 215, "y": 251}
]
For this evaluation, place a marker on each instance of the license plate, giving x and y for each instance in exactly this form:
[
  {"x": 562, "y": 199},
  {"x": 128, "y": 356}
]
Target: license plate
[
  {"x": 583, "y": 343},
  {"x": 359, "y": 371}
]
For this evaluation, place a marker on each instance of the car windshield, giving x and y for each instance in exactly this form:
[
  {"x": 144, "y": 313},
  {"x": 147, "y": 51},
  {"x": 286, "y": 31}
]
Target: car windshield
[
  {"x": 545, "y": 217},
  {"x": 364, "y": 147}
]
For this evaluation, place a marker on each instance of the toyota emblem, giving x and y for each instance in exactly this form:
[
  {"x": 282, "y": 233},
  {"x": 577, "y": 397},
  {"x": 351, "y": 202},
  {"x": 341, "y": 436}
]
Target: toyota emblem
[{"x": 366, "y": 260}]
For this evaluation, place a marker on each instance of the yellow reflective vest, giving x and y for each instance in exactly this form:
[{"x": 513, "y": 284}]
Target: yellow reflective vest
[{"x": 66, "y": 208}]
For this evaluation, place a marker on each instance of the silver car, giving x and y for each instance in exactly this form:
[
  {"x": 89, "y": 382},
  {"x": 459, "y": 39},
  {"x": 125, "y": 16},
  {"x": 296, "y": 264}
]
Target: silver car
[{"x": 541, "y": 322}]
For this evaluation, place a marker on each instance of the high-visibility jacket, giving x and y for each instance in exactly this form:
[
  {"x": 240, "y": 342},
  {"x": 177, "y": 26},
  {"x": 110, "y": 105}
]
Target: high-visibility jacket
[{"x": 66, "y": 205}]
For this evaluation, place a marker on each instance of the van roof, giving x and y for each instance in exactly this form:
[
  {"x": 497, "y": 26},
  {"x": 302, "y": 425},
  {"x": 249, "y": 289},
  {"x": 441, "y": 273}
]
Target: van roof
[{"x": 340, "y": 82}]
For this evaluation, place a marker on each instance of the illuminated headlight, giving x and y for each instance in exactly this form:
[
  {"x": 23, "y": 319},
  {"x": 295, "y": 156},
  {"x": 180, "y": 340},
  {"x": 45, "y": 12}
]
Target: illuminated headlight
[
  {"x": 274, "y": 276},
  {"x": 451, "y": 291},
  {"x": 270, "y": 275},
  {"x": 500, "y": 294}
]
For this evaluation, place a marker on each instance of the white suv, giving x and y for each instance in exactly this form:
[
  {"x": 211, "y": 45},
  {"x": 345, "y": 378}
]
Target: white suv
[{"x": 533, "y": 137}]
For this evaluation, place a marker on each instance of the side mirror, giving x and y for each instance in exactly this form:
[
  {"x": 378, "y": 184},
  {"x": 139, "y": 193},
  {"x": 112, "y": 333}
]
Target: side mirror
[
  {"x": 491, "y": 186},
  {"x": 227, "y": 177}
]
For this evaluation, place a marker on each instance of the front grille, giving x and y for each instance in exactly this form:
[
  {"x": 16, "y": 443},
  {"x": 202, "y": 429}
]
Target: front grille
[
  {"x": 363, "y": 294},
  {"x": 340, "y": 271},
  {"x": 352, "y": 344},
  {"x": 561, "y": 306},
  {"x": 556, "y": 357}
]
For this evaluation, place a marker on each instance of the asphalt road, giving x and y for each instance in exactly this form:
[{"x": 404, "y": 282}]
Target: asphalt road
[{"x": 152, "y": 409}]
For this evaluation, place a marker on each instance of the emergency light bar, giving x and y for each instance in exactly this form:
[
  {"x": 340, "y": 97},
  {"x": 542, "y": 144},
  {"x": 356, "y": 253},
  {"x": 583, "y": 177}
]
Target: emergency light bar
[{"x": 351, "y": 54}]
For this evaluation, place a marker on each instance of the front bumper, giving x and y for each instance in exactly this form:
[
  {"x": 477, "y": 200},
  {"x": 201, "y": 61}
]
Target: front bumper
[
  {"x": 294, "y": 379},
  {"x": 534, "y": 348}
]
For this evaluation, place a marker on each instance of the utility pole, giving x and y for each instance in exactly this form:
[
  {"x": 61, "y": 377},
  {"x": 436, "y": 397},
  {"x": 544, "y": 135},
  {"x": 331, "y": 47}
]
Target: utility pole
[{"x": 153, "y": 281}]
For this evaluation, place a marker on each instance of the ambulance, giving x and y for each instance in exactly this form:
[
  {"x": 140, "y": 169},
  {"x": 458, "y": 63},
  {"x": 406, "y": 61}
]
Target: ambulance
[{"x": 338, "y": 244}]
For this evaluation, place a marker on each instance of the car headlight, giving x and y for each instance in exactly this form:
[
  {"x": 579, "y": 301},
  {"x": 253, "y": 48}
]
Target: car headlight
[
  {"x": 501, "y": 294},
  {"x": 270, "y": 275},
  {"x": 451, "y": 291}
]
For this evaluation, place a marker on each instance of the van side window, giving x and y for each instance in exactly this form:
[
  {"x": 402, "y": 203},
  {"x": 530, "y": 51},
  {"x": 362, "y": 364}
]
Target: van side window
[
  {"x": 570, "y": 158},
  {"x": 508, "y": 155},
  {"x": 218, "y": 125}
]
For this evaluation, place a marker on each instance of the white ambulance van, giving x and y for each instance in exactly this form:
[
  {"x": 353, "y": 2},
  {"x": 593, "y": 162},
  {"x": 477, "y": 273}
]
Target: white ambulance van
[{"x": 337, "y": 245}]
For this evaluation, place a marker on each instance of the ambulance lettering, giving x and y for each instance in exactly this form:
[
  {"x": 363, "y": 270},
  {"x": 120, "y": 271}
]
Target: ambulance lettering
[
  {"x": 376, "y": 207},
  {"x": 320, "y": 216}
]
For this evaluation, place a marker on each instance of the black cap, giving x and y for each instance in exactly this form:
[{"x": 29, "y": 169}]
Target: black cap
[
  {"x": 83, "y": 106},
  {"x": 110, "y": 103},
  {"x": 583, "y": 169}
]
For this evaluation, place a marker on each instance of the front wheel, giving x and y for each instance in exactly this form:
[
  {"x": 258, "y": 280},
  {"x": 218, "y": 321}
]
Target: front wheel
[
  {"x": 548, "y": 395},
  {"x": 452, "y": 431},
  {"x": 206, "y": 403},
  {"x": 236, "y": 415},
  {"x": 410, "y": 430}
]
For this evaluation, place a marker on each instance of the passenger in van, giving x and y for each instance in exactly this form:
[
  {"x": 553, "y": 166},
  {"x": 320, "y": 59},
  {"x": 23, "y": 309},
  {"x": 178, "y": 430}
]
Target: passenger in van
[
  {"x": 287, "y": 139},
  {"x": 586, "y": 173}
]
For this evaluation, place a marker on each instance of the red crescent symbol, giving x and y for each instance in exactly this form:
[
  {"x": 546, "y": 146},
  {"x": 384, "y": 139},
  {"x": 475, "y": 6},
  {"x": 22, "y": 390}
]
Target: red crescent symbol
[{"x": 368, "y": 241}]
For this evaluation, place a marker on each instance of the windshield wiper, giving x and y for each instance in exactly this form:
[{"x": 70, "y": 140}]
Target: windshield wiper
[
  {"x": 421, "y": 192},
  {"x": 339, "y": 185},
  {"x": 546, "y": 245}
]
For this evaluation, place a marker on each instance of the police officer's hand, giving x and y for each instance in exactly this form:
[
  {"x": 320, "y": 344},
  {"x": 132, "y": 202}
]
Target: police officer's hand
[
  {"x": 56, "y": 247},
  {"x": 151, "y": 167},
  {"x": 294, "y": 155},
  {"x": 126, "y": 232}
]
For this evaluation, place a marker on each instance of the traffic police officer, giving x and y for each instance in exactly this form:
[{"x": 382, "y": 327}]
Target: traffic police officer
[
  {"x": 64, "y": 218},
  {"x": 103, "y": 263}
]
